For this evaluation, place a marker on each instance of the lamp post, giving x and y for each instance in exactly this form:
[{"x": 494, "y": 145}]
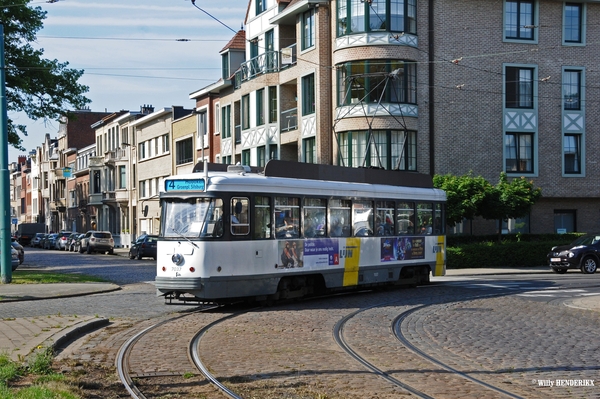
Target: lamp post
[{"x": 5, "y": 257}]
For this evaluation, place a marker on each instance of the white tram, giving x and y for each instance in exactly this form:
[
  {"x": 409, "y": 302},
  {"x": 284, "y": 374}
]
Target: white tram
[{"x": 294, "y": 229}]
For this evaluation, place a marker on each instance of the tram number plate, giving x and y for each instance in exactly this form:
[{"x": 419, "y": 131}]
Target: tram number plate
[
  {"x": 554, "y": 259},
  {"x": 176, "y": 268}
]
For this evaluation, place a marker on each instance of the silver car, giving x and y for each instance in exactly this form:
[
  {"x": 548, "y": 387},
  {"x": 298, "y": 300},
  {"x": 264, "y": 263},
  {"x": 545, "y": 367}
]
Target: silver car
[{"x": 97, "y": 241}]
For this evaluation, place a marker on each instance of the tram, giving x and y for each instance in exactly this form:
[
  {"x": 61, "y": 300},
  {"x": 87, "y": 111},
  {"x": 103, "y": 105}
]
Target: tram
[{"x": 233, "y": 233}]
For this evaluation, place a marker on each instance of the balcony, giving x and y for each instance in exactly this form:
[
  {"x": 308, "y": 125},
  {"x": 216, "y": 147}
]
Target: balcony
[
  {"x": 95, "y": 199},
  {"x": 268, "y": 62},
  {"x": 96, "y": 162},
  {"x": 58, "y": 205},
  {"x": 289, "y": 120}
]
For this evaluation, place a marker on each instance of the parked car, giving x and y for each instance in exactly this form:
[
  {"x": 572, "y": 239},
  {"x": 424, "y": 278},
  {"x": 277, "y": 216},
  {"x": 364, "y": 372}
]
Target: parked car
[
  {"x": 15, "y": 244},
  {"x": 97, "y": 241},
  {"x": 77, "y": 243},
  {"x": 144, "y": 246},
  {"x": 36, "y": 240},
  {"x": 43, "y": 240},
  {"x": 14, "y": 258},
  {"x": 50, "y": 241},
  {"x": 71, "y": 241},
  {"x": 582, "y": 254},
  {"x": 61, "y": 240}
]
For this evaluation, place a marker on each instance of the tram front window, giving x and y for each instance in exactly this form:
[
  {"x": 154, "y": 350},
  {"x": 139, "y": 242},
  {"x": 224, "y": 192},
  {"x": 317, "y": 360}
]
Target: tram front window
[{"x": 192, "y": 218}]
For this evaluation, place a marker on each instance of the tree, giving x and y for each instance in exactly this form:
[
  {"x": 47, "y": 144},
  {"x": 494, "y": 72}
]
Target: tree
[
  {"x": 40, "y": 88},
  {"x": 508, "y": 200},
  {"x": 463, "y": 195}
]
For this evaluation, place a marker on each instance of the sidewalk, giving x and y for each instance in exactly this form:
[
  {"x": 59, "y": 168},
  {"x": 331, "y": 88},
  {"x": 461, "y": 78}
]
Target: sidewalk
[{"x": 21, "y": 336}]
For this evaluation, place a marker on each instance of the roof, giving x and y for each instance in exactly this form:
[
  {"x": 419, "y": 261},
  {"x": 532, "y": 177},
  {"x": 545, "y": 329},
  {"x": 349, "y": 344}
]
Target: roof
[{"x": 238, "y": 42}]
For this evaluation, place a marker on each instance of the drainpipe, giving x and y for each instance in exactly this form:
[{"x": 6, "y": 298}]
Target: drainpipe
[{"x": 431, "y": 65}]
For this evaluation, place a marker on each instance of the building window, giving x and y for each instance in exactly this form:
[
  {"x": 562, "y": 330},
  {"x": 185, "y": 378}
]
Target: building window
[
  {"x": 166, "y": 143},
  {"x": 372, "y": 81},
  {"x": 261, "y": 156},
  {"x": 217, "y": 118},
  {"x": 143, "y": 192},
  {"x": 225, "y": 66},
  {"x": 388, "y": 149},
  {"x": 202, "y": 127},
  {"x": 122, "y": 177},
  {"x": 260, "y": 107},
  {"x": 142, "y": 150},
  {"x": 245, "y": 157},
  {"x": 261, "y": 6},
  {"x": 226, "y": 121},
  {"x": 308, "y": 94},
  {"x": 572, "y": 90},
  {"x": 184, "y": 150},
  {"x": 519, "y": 87},
  {"x": 246, "y": 112},
  {"x": 356, "y": 16},
  {"x": 272, "y": 104},
  {"x": 573, "y": 17},
  {"x": 310, "y": 150},
  {"x": 308, "y": 29},
  {"x": 572, "y": 153},
  {"x": 519, "y": 20},
  {"x": 519, "y": 152},
  {"x": 564, "y": 221}
]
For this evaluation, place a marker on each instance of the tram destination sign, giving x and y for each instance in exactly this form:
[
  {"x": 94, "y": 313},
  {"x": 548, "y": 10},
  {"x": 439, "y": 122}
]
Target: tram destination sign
[{"x": 184, "y": 185}]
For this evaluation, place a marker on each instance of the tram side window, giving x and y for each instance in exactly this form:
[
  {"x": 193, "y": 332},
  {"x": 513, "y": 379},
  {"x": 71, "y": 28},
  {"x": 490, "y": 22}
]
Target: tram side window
[
  {"x": 439, "y": 225},
  {"x": 314, "y": 210},
  {"x": 406, "y": 218},
  {"x": 339, "y": 216},
  {"x": 425, "y": 218},
  {"x": 287, "y": 217},
  {"x": 362, "y": 218},
  {"x": 262, "y": 217},
  {"x": 239, "y": 216},
  {"x": 384, "y": 219}
]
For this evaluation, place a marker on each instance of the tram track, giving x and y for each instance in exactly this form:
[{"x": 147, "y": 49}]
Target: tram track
[
  {"x": 125, "y": 352},
  {"x": 396, "y": 328},
  {"x": 284, "y": 348}
]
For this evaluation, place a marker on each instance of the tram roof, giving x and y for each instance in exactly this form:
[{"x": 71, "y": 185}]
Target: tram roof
[{"x": 283, "y": 177}]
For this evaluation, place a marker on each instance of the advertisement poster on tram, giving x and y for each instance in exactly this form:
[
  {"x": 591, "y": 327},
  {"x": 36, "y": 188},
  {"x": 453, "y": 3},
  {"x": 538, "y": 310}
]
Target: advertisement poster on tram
[
  {"x": 402, "y": 248},
  {"x": 309, "y": 253}
]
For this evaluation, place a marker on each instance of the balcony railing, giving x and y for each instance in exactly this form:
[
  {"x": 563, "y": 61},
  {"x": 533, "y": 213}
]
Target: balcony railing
[
  {"x": 289, "y": 120},
  {"x": 268, "y": 62}
]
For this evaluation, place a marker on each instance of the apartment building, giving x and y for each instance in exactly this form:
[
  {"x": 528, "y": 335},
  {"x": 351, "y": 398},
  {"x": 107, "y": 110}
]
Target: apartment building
[
  {"x": 431, "y": 86},
  {"x": 153, "y": 136}
]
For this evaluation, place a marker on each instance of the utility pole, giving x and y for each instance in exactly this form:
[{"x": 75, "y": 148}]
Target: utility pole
[{"x": 5, "y": 258}]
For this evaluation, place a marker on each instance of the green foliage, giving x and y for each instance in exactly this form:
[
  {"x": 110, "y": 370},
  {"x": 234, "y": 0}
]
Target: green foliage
[
  {"x": 40, "y": 362},
  {"x": 468, "y": 196},
  {"x": 9, "y": 370},
  {"x": 464, "y": 195},
  {"x": 509, "y": 200},
  {"x": 514, "y": 250},
  {"x": 43, "y": 89}
]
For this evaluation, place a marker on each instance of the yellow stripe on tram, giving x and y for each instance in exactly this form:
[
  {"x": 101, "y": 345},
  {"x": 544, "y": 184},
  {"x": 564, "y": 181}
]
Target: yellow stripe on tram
[
  {"x": 351, "y": 261},
  {"x": 440, "y": 257}
]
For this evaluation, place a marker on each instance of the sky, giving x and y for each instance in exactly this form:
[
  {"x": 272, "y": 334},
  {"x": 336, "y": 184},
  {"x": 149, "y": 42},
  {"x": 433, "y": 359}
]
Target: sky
[{"x": 131, "y": 51}]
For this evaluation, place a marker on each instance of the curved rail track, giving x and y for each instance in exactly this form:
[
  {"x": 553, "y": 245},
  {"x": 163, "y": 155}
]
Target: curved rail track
[
  {"x": 400, "y": 361},
  {"x": 396, "y": 328}
]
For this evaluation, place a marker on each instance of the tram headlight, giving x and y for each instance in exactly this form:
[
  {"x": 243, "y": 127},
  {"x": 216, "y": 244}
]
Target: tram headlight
[{"x": 177, "y": 259}]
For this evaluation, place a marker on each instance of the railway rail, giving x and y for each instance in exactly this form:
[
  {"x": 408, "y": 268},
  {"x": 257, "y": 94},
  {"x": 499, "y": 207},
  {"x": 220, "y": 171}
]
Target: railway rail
[{"x": 396, "y": 363}]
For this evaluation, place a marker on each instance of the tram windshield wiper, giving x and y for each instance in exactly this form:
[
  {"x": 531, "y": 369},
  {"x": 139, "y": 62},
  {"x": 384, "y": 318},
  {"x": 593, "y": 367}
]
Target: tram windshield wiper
[{"x": 184, "y": 237}]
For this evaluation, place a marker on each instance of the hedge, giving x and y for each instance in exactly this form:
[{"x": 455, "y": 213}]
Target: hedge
[{"x": 465, "y": 252}]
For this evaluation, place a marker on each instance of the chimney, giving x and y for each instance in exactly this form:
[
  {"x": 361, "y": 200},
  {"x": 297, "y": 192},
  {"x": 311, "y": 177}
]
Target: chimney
[{"x": 146, "y": 109}]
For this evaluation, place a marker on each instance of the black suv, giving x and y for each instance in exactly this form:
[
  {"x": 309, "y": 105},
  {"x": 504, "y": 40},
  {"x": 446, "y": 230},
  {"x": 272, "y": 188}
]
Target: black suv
[
  {"x": 97, "y": 241},
  {"x": 583, "y": 254}
]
